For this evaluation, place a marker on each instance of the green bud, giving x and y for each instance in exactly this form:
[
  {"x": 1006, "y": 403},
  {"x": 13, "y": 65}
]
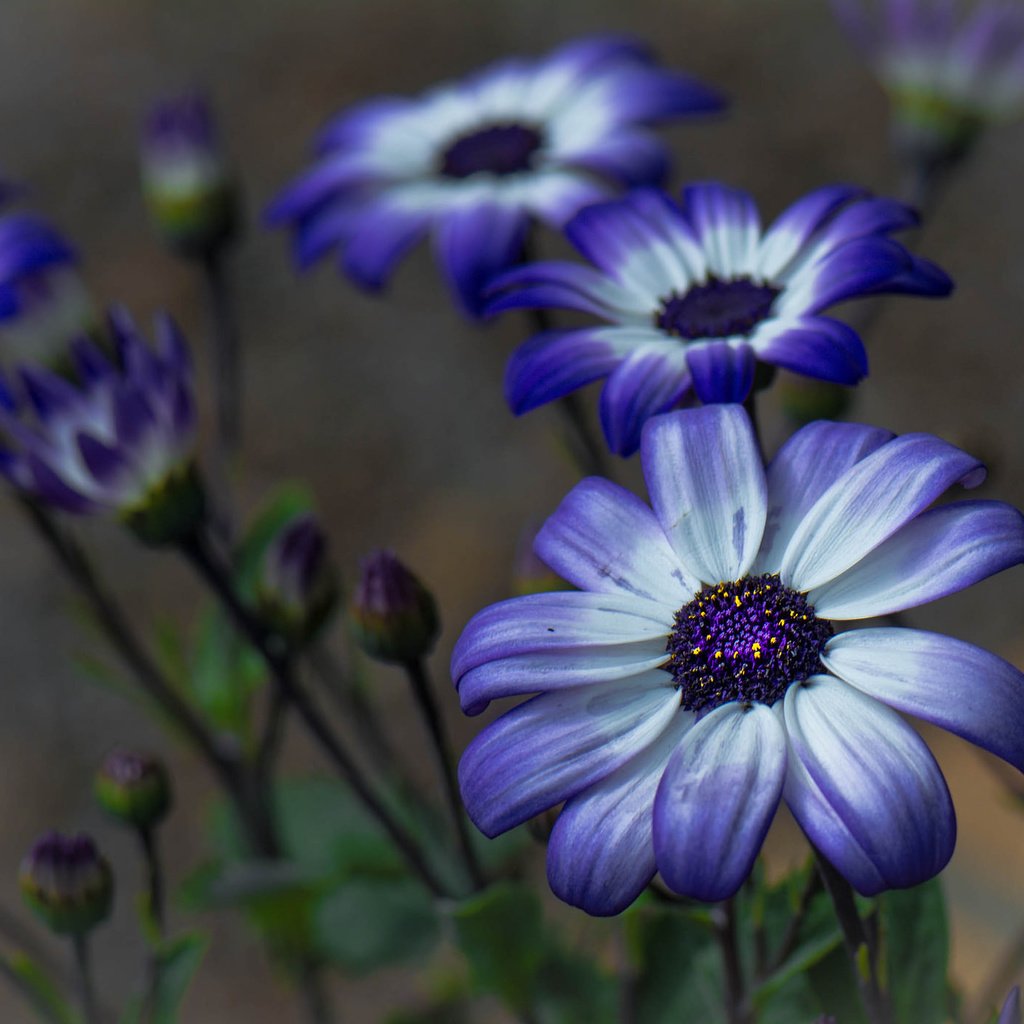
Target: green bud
[{"x": 134, "y": 788}]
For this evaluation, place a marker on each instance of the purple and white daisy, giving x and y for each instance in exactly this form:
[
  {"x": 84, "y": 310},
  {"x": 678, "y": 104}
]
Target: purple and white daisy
[
  {"x": 122, "y": 441},
  {"x": 949, "y": 67},
  {"x": 695, "y": 295},
  {"x": 473, "y": 162},
  {"x": 43, "y": 301},
  {"x": 696, "y": 677}
]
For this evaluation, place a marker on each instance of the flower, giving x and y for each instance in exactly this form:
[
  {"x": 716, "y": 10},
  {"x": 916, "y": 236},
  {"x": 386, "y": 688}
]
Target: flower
[
  {"x": 121, "y": 441},
  {"x": 697, "y": 678},
  {"x": 474, "y": 161},
  {"x": 1010, "y": 1013},
  {"x": 695, "y": 295},
  {"x": 298, "y": 586},
  {"x": 948, "y": 72},
  {"x": 134, "y": 788},
  {"x": 67, "y": 883},
  {"x": 188, "y": 188},
  {"x": 393, "y": 615},
  {"x": 43, "y": 301}
]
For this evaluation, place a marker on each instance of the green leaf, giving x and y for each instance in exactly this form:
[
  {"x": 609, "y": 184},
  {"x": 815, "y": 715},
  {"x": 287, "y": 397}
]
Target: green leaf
[
  {"x": 915, "y": 944},
  {"x": 37, "y": 989},
  {"x": 833, "y": 984},
  {"x": 175, "y": 966},
  {"x": 571, "y": 988},
  {"x": 677, "y": 964},
  {"x": 501, "y": 933},
  {"x": 368, "y": 923}
]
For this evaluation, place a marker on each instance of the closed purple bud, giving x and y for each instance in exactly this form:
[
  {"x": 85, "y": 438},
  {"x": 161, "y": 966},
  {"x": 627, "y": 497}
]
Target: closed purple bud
[
  {"x": 393, "y": 615},
  {"x": 44, "y": 304},
  {"x": 188, "y": 188},
  {"x": 298, "y": 587},
  {"x": 134, "y": 788},
  {"x": 66, "y": 881}
]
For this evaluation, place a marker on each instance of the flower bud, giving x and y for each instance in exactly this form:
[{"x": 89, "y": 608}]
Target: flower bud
[
  {"x": 67, "y": 883},
  {"x": 44, "y": 303},
  {"x": 298, "y": 587},
  {"x": 134, "y": 788},
  {"x": 190, "y": 194},
  {"x": 393, "y": 615}
]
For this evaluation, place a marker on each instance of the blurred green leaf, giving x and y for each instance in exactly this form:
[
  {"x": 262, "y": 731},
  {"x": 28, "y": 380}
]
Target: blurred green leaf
[
  {"x": 37, "y": 989},
  {"x": 570, "y": 988},
  {"x": 915, "y": 945},
  {"x": 501, "y": 933},
  {"x": 368, "y": 923},
  {"x": 455, "y": 1011},
  {"x": 176, "y": 965},
  {"x": 678, "y": 974},
  {"x": 832, "y": 981}
]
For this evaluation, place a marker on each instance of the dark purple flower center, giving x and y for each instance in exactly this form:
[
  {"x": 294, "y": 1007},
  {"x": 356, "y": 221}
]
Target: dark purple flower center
[
  {"x": 717, "y": 308},
  {"x": 746, "y": 641},
  {"x": 497, "y": 149}
]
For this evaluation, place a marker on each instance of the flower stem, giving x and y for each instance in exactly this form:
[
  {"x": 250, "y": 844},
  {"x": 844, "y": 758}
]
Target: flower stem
[
  {"x": 86, "y": 989},
  {"x": 724, "y": 922},
  {"x": 154, "y": 875},
  {"x": 225, "y": 353},
  {"x": 420, "y": 682},
  {"x": 277, "y": 658},
  {"x": 314, "y": 995},
  {"x": 859, "y": 943}
]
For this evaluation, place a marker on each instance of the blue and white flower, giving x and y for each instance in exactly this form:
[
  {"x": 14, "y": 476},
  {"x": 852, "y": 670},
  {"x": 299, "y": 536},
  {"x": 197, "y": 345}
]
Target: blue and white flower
[
  {"x": 696, "y": 677},
  {"x": 473, "y": 162},
  {"x": 122, "y": 441},
  {"x": 949, "y": 67},
  {"x": 43, "y": 300},
  {"x": 695, "y": 295}
]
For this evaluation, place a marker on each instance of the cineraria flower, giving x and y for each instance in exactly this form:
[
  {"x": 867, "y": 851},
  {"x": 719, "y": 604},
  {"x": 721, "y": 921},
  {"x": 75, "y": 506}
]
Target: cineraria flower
[
  {"x": 121, "y": 441},
  {"x": 947, "y": 72},
  {"x": 188, "y": 188},
  {"x": 696, "y": 295},
  {"x": 472, "y": 162},
  {"x": 697, "y": 678},
  {"x": 43, "y": 302}
]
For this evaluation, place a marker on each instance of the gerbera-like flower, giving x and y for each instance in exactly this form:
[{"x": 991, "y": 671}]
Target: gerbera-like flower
[
  {"x": 43, "y": 301},
  {"x": 474, "y": 161},
  {"x": 697, "y": 294},
  {"x": 948, "y": 67},
  {"x": 122, "y": 441},
  {"x": 697, "y": 678}
]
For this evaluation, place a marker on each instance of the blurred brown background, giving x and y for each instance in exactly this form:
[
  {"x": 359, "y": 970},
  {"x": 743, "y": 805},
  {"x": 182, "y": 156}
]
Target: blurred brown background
[{"x": 391, "y": 408}]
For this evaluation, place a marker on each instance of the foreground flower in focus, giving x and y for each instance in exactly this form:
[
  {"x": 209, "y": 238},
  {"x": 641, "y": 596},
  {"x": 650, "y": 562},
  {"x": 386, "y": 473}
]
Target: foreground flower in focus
[
  {"x": 948, "y": 72},
  {"x": 474, "y": 161},
  {"x": 43, "y": 301},
  {"x": 696, "y": 678},
  {"x": 66, "y": 881},
  {"x": 697, "y": 294},
  {"x": 122, "y": 441},
  {"x": 188, "y": 188}
]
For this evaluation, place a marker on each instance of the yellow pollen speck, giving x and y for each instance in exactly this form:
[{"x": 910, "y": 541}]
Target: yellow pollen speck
[
  {"x": 755, "y": 646},
  {"x": 773, "y": 640},
  {"x": 696, "y": 650},
  {"x": 718, "y": 654},
  {"x": 738, "y": 602},
  {"x": 757, "y": 655}
]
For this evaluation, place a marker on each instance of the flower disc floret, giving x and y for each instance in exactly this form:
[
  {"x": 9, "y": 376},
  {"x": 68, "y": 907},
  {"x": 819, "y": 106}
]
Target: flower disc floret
[
  {"x": 748, "y": 640},
  {"x": 717, "y": 309},
  {"x": 476, "y": 163}
]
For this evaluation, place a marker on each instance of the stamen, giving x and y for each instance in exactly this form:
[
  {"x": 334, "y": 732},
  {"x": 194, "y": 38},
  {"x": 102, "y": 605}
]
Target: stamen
[{"x": 717, "y": 308}]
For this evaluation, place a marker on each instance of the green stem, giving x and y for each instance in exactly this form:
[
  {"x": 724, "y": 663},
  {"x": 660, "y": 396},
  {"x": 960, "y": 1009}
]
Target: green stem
[
  {"x": 420, "y": 682},
  {"x": 154, "y": 875},
  {"x": 83, "y": 969}
]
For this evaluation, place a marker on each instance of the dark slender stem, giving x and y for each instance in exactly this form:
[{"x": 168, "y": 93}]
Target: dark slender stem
[
  {"x": 273, "y": 735},
  {"x": 724, "y": 919},
  {"x": 275, "y": 653},
  {"x": 420, "y": 682},
  {"x": 154, "y": 876},
  {"x": 225, "y": 353},
  {"x": 86, "y": 990},
  {"x": 314, "y": 995},
  {"x": 792, "y": 932},
  {"x": 858, "y": 939}
]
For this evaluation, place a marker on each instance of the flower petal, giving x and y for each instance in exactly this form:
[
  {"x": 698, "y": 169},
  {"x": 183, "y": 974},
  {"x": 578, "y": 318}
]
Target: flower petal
[
  {"x": 475, "y": 243},
  {"x": 803, "y": 469},
  {"x": 865, "y": 788},
  {"x": 717, "y": 798},
  {"x": 601, "y": 850},
  {"x": 947, "y": 682},
  {"x": 603, "y": 538},
  {"x": 707, "y": 486},
  {"x": 870, "y": 502},
  {"x": 369, "y": 255},
  {"x": 556, "y": 745},
  {"x": 938, "y": 553},
  {"x": 648, "y": 381},
  {"x": 815, "y": 346},
  {"x": 728, "y": 224},
  {"x": 721, "y": 372}
]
